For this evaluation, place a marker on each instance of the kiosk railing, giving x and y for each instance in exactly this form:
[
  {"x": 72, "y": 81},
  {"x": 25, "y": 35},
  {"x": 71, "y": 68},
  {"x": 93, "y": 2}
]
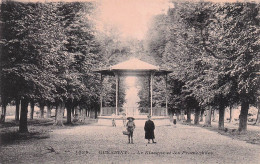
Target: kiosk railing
[{"x": 134, "y": 111}]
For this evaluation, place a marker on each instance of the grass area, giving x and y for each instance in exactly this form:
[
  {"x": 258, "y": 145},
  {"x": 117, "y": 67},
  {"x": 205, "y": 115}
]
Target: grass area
[
  {"x": 231, "y": 130},
  {"x": 38, "y": 129}
]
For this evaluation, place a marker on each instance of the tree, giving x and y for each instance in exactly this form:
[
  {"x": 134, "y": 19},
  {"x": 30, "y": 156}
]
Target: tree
[
  {"x": 217, "y": 32},
  {"x": 32, "y": 42},
  {"x": 15, "y": 82},
  {"x": 179, "y": 50},
  {"x": 235, "y": 48}
]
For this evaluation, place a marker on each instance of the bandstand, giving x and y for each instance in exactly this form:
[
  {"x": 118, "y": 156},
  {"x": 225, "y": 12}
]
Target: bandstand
[{"x": 134, "y": 67}]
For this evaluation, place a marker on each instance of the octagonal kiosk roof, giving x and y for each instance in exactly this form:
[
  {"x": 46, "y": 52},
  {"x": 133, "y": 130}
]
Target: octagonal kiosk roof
[{"x": 133, "y": 66}]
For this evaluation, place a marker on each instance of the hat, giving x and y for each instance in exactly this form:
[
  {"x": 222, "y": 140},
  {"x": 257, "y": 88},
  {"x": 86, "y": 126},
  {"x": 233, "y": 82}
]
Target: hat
[{"x": 130, "y": 118}]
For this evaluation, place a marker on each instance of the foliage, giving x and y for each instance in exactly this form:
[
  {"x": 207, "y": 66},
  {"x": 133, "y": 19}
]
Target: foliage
[
  {"x": 49, "y": 53},
  {"x": 213, "y": 50}
]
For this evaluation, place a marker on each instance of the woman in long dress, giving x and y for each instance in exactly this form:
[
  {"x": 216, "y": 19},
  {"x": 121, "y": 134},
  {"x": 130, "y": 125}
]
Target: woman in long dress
[
  {"x": 149, "y": 130},
  {"x": 174, "y": 119}
]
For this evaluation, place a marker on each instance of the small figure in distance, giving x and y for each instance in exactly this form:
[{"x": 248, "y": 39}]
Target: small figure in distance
[
  {"x": 130, "y": 128},
  {"x": 113, "y": 120},
  {"x": 174, "y": 120},
  {"x": 149, "y": 129}
]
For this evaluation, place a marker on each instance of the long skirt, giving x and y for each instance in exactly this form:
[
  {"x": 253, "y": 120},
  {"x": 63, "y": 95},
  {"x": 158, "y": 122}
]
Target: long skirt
[
  {"x": 149, "y": 134},
  {"x": 174, "y": 121}
]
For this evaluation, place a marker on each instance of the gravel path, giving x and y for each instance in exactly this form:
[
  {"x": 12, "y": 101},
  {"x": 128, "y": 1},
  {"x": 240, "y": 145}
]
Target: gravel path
[{"x": 102, "y": 144}]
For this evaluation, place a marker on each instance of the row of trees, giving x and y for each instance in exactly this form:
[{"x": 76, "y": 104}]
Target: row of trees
[
  {"x": 213, "y": 50},
  {"x": 48, "y": 53},
  {"x": 49, "y": 50}
]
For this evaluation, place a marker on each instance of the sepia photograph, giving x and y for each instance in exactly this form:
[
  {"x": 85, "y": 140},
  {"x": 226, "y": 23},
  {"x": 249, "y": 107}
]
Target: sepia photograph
[{"x": 129, "y": 81}]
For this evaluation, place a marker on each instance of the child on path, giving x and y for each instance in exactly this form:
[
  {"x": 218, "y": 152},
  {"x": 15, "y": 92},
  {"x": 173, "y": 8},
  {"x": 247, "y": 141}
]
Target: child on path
[
  {"x": 113, "y": 120},
  {"x": 130, "y": 128}
]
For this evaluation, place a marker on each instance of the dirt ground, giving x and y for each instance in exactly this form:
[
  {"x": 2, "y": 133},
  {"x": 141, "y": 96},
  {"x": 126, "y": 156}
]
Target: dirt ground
[{"x": 105, "y": 144}]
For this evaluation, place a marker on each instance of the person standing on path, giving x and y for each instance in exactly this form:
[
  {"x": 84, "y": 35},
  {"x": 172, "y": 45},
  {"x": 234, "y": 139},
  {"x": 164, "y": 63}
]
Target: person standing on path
[
  {"x": 130, "y": 128},
  {"x": 113, "y": 120},
  {"x": 174, "y": 119},
  {"x": 149, "y": 129}
]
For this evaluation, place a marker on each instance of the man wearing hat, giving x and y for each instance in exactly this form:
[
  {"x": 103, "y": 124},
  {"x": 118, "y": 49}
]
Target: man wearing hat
[
  {"x": 130, "y": 128},
  {"x": 149, "y": 129}
]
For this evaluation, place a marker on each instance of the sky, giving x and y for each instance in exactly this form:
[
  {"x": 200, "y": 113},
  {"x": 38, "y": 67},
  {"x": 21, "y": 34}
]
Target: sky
[
  {"x": 129, "y": 17},
  {"x": 132, "y": 17}
]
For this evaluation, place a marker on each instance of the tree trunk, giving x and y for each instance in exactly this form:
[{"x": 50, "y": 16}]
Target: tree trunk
[
  {"x": 96, "y": 111},
  {"x": 32, "y": 110},
  {"x": 231, "y": 111},
  {"x": 208, "y": 118},
  {"x": 80, "y": 112},
  {"x": 41, "y": 110},
  {"x": 59, "y": 114},
  {"x": 48, "y": 110},
  {"x": 221, "y": 116},
  {"x": 73, "y": 112},
  {"x": 56, "y": 112},
  {"x": 69, "y": 114},
  {"x": 258, "y": 117},
  {"x": 202, "y": 115},
  {"x": 188, "y": 116},
  {"x": 84, "y": 113},
  {"x": 76, "y": 112},
  {"x": 214, "y": 115},
  {"x": 87, "y": 112},
  {"x": 182, "y": 115},
  {"x": 178, "y": 116},
  {"x": 17, "y": 109},
  {"x": 197, "y": 116},
  {"x": 23, "y": 119},
  {"x": 3, "y": 112},
  {"x": 243, "y": 116},
  {"x": 257, "y": 122}
]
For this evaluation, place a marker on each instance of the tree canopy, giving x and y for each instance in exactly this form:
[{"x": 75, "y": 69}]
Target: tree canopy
[{"x": 213, "y": 50}]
